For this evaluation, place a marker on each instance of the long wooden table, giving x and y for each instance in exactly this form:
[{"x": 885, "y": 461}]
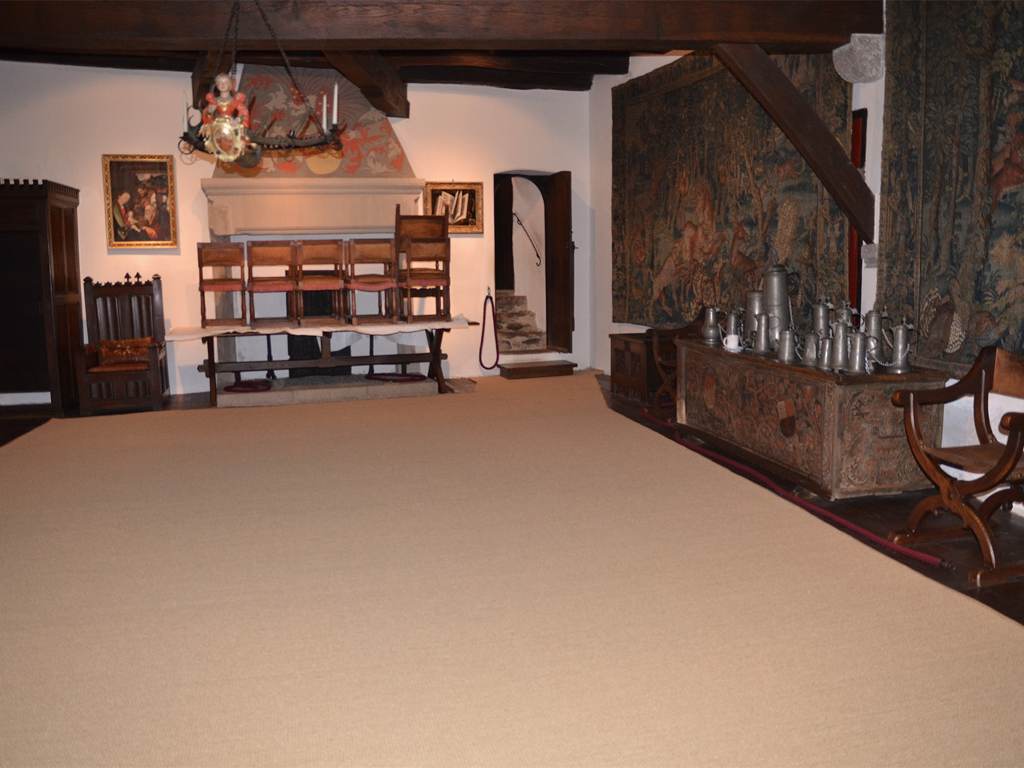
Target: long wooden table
[{"x": 434, "y": 332}]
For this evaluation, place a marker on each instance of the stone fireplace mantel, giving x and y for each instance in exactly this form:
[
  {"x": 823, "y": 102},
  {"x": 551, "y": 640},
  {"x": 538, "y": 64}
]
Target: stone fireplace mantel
[{"x": 285, "y": 206}]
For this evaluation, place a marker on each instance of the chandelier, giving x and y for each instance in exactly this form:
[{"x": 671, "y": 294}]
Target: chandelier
[{"x": 223, "y": 129}]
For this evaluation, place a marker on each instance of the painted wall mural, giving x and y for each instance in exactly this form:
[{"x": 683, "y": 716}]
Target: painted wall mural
[
  {"x": 952, "y": 237},
  {"x": 369, "y": 144},
  {"x": 707, "y": 192}
]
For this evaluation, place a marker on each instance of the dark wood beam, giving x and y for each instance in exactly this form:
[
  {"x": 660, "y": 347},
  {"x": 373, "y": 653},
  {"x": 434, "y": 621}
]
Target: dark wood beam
[
  {"x": 500, "y": 78},
  {"x": 619, "y": 25},
  {"x": 808, "y": 132},
  {"x": 374, "y": 75},
  {"x": 587, "y": 63}
]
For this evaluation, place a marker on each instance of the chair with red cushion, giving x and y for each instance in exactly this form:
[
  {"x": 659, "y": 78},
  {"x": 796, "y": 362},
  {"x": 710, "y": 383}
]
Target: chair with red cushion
[
  {"x": 226, "y": 257},
  {"x": 271, "y": 254},
  {"x": 371, "y": 266},
  {"x": 329, "y": 256},
  {"x": 124, "y": 365}
]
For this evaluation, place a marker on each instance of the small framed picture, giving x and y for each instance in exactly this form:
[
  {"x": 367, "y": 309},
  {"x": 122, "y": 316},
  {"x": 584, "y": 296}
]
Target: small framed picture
[
  {"x": 461, "y": 201},
  {"x": 140, "y": 201}
]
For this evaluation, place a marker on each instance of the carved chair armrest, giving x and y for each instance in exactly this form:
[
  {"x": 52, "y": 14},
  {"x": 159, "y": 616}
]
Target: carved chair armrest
[
  {"x": 962, "y": 388},
  {"x": 1012, "y": 422}
]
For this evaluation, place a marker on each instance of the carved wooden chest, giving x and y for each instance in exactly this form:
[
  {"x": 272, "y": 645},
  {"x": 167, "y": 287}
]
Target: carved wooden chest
[
  {"x": 633, "y": 375},
  {"x": 839, "y": 436}
]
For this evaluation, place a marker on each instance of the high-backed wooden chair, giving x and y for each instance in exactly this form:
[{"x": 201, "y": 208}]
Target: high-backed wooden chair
[
  {"x": 426, "y": 274},
  {"x": 229, "y": 256},
  {"x": 432, "y": 277},
  {"x": 998, "y": 464},
  {"x": 270, "y": 253},
  {"x": 329, "y": 257},
  {"x": 379, "y": 256},
  {"x": 124, "y": 365}
]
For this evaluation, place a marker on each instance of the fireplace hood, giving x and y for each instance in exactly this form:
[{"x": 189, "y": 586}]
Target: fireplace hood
[{"x": 304, "y": 205}]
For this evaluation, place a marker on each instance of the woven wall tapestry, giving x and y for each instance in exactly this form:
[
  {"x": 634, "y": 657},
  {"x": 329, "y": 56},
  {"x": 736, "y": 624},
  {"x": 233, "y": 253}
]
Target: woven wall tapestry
[
  {"x": 707, "y": 192},
  {"x": 952, "y": 238}
]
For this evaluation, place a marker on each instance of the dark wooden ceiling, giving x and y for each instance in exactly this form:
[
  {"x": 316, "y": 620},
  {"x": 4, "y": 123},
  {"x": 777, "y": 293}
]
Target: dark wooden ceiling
[{"x": 382, "y": 45}]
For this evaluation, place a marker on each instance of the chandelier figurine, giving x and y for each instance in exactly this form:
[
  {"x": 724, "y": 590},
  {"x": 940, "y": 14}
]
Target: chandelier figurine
[{"x": 224, "y": 127}]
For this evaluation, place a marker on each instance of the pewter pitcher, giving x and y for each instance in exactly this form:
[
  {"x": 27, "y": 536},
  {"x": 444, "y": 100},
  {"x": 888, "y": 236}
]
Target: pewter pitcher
[
  {"x": 755, "y": 306},
  {"x": 825, "y": 354},
  {"x": 840, "y": 347},
  {"x": 787, "y": 347},
  {"x": 899, "y": 341},
  {"x": 822, "y": 314},
  {"x": 776, "y": 300},
  {"x": 762, "y": 338},
  {"x": 810, "y": 349},
  {"x": 858, "y": 352},
  {"x": 711, "y": 331}
]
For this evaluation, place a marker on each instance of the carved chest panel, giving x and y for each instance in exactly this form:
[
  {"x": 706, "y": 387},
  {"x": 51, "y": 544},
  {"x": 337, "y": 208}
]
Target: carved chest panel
[{"x": 838, "y": 435}]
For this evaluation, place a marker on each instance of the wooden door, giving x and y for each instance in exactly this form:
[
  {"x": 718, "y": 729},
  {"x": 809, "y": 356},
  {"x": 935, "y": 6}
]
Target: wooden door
[{"x": 558, "y": 256}]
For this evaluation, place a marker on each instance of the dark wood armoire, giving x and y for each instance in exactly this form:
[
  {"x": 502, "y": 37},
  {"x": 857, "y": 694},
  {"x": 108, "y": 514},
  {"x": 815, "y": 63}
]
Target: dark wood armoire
[{"x": 40, "y": 312}]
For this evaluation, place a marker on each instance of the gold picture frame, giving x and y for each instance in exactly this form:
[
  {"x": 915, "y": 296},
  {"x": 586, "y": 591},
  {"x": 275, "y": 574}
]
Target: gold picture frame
[
  {"x": 461, "y": 201},
  {"x": 139, "y": 197}
]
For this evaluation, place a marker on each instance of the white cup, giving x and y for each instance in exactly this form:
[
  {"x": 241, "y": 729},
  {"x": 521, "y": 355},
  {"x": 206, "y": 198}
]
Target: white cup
[{"x": 732, "y": 342}]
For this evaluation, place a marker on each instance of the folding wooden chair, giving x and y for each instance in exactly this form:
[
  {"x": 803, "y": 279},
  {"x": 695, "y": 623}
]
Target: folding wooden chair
[
  {"x": 272, "y": 253},
  {"x": 383, "y": 281},
  {"x": 321, "y": 253},
  {"x": 994, "y": 370},
  {"x": 229, "y": 256}
]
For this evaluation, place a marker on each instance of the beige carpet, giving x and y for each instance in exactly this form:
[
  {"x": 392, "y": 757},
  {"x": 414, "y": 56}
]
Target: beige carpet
[{"x": 514, "y": 577}]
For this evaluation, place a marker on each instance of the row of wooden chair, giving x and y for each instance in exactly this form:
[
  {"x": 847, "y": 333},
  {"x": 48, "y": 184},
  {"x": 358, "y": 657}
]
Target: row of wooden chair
[{"x": 341, "y": 267}]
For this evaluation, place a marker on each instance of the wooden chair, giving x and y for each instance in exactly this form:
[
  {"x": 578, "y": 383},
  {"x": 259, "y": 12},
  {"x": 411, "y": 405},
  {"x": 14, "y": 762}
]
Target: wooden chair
[
  {"x": 227, "y": 256},
  {"x": 384, "y": 282},
  {"x": 994, "y": 370},
  {"x": 272, "y": 253},
  {"x": 124, "y": 365},
  {"x": 409, "y": 227},
  {"x": 426, "y": 274},
  {"x": 321, "y": 253}
]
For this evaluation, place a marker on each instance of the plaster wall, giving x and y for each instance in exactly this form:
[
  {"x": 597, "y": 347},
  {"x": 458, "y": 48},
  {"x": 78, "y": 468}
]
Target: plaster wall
[
  {"x": 528, "y": 202},
  {"x": 63, "y": 119}
]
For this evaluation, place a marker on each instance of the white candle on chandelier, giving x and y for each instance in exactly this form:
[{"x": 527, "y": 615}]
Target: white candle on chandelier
[
  {"x": 324, "y": 121},
  {"x": 334, "y": 111}
]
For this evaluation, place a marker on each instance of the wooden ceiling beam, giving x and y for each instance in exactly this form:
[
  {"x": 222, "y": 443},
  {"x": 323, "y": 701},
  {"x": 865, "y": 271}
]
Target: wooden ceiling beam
[
  {"x": 805, "y": 129},
  {"x": 614, "y": 25},
  {"x": 500, "y": 78},
  {"x": 588, "y": 63},
  {"x": 376, "y": 77}
]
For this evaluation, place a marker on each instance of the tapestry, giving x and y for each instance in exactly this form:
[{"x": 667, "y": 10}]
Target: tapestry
[
  {"x": 952, "y": 237},
  {"x": 369, "y": 146},
  {"x": 707, "y": 192}
]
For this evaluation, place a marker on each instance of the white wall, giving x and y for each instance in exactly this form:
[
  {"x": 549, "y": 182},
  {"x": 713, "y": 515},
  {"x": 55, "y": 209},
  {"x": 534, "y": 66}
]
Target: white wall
[
  {"x": 469, "y": 133},
  {"x": 528, "y": 203},
  {"x": 61, "y": 120}
]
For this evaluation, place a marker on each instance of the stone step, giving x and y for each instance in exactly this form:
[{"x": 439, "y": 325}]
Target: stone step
[
  {"x": 509, "y": 301},
  {"x": 536, "y": 369}
]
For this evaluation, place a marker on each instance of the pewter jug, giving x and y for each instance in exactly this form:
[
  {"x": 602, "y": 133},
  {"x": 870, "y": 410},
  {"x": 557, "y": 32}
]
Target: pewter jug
[
  {"x": 822, "y": 314},
  {"x": 810, "y": 349},
  {"x": 711, "y": 331},
  {"x": 776, "y": 300},
  {"x": 872, "y": 323},
  {"x": 755, "y": 306},
  {"x": 787, "y": 347},
  {"x": 733, "y": 324},
  {"x": 899, "y": 341},
  {"x": 825, "y": 354},
  {"x": 840, "y": 349},
  {"x": 858, "y": 349},
  {"x": 762, "y": 338}
]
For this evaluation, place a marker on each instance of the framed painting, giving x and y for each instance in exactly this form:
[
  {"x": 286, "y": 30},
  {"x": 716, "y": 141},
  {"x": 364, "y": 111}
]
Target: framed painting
[
  {"x": 461, "y": 201},
  {"x": 138, "y": 191}
]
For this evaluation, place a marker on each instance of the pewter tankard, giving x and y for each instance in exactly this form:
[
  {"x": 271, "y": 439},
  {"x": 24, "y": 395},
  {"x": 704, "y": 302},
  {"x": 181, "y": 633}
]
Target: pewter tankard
[
  {"x": 840, "y": 350},
  {"x": 811, "y": 349},
  {"x": 787, "y": 347},
  {"x": 900, "y": 343},
  {"x": 872, "y": 323},
  {"x": 858, "y": 353},
  {"x": 733, "y": 324},
  {"x": 822, "y": 312},
  {"x": 776, "y": 300},
  {"x": 755, "y": 306},
  {"x": 762, "y": 338},
  {"x": 711, "y": 331},
  {"x": 825, "y": 354}
]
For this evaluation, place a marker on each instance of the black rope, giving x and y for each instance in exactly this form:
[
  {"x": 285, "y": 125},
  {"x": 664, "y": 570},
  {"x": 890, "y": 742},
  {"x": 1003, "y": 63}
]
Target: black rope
[
  {"x": 483, "y": 333},
  {"x": 232, "y": 24}
]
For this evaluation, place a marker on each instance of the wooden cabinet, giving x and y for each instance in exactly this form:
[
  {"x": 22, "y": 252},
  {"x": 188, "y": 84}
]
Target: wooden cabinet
[
  {"x": 633, "y": 373},
  {"x": 840, "y": 436},
  {"x": 40, "y": 313}
]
